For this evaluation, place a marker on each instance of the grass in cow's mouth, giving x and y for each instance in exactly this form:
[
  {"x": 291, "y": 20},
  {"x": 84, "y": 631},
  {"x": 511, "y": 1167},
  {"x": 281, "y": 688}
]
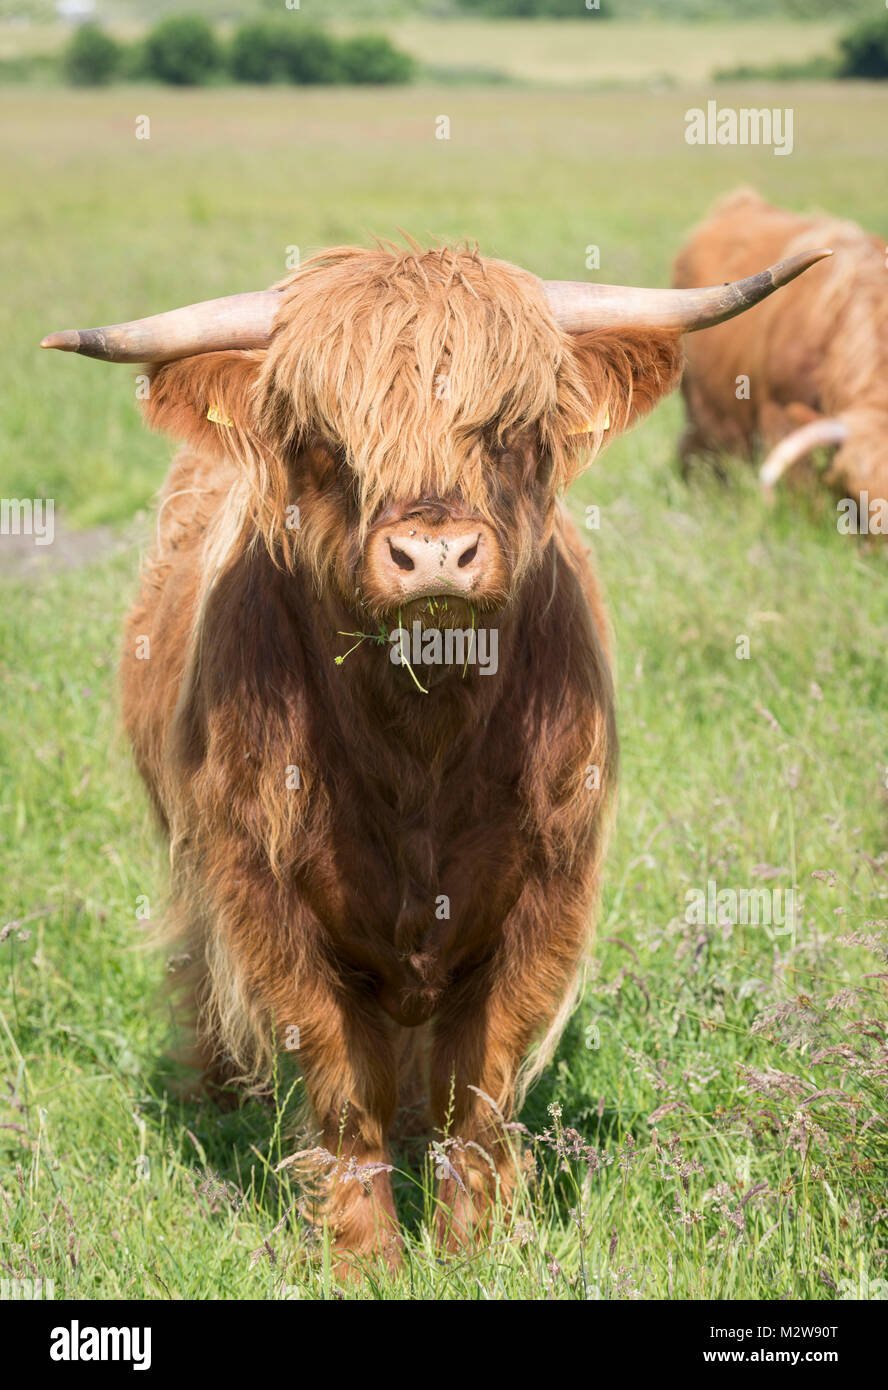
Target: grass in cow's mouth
[
  {"x": 472, "y": 644},
  {"x": 405, "y": 662},
  {"x": 379, "y": 638},
  {"x": 383, "y": 636},
  {"x": 432, "y": 606}
]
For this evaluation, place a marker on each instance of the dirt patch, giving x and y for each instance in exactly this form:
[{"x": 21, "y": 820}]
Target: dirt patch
[{"x": 22, "y": 558}]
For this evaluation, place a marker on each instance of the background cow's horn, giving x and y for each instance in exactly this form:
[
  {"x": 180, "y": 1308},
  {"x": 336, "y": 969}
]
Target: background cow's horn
[
  {"x": 819, "y": 434},
  {"x": 579, "y": 308},
  {"x": 237, "y": 321}
]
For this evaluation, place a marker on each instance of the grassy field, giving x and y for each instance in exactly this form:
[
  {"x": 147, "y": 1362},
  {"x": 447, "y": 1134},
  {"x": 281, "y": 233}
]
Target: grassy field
[
  {"x": 730, "y": 1081},
  {"x": 590, "y": 53}
]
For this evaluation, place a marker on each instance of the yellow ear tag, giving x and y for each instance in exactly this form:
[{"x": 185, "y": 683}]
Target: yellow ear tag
[
  {"x": 216, "y": 416},
  {"x": 588, "y": 429}
]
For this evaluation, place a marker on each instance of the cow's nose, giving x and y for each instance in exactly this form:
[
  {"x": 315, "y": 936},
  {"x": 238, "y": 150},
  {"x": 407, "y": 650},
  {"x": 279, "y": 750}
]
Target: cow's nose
[{"x": 415, "y": 561}]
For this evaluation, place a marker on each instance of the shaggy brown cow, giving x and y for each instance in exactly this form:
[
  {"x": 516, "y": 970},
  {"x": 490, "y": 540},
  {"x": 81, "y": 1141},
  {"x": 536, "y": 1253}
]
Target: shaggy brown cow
[
  {"x": 394, "y": 866},
  {"x": 817, "y": 364}
]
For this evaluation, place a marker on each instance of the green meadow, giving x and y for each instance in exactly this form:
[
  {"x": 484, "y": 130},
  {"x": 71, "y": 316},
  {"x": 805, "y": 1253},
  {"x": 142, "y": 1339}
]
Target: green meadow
[{"x": 728, "y": 1082}]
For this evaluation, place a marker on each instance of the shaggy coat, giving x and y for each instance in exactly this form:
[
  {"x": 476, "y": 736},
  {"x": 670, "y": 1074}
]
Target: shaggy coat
[
  {"x": 404, "y": 882},
  {"x": 819, "y": 348}
]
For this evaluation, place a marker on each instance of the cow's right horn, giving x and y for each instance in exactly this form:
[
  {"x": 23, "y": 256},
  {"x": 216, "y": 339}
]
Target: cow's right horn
[
  {"x": 236, "y": 321},
  {"x": 818, "y": 434}
]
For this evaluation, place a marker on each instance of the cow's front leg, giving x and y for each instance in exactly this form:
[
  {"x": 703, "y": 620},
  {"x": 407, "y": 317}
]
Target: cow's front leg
[
  {"x": 481, "y": 1036},
  {"x": 299, "y": 1002},
  {"x": 350, "y": 1074},
  {"x": 473, "y": 1151}
]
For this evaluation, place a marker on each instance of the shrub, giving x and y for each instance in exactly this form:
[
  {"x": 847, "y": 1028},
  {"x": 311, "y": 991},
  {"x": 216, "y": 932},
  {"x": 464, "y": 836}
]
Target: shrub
[
  {"x": 864, "y": 49},
  {"x": 312, "y": 56},
  {"x": 272, "y": 50},
  {"x": 372, "y": 58},
  {"x": 259, "y": 50},
  {"x": 92, "y": 57},
  {"x": 182, "y": 50}
]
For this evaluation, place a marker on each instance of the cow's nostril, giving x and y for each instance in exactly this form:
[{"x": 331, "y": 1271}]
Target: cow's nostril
[
  {"x": 401, "y": 558},
  {"x": 468, "y": 555}
]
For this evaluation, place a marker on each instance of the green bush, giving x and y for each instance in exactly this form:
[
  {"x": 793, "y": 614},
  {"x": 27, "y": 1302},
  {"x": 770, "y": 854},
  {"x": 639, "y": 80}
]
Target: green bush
[
  {"x": 259, "y": 50},
  {"x": 272, "y": 50},
  {"x": 92, "y": 57},
  {"x": 182, "y": 50},
  {"x": 312, "y": 56},
  {"x": 372, "y": 58},
  {"x": 864, "y": 49}
]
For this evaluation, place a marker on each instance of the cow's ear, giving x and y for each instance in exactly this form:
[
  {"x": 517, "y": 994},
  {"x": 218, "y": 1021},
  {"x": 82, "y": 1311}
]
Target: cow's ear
[
  {"x": 621, "y": 374},
  {"x": 205, "y": 400}
]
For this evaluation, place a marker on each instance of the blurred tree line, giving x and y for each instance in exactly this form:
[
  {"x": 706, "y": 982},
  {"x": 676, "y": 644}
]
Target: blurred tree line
[{"x": 185, "y": 50}]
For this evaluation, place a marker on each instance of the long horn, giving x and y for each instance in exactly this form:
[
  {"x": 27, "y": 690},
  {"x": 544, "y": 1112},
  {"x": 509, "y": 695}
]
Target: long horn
[
  {"x": 816, "y": 435},
  {"x": 246, "y": 320},
  {"x": 579, "y": 307},
  {"x": 237, "y": 321}
]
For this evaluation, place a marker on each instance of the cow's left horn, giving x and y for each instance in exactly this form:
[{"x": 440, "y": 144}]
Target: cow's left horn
[
  {"x": 237, "y": 321},
  {"x": 579, "y": 308}
]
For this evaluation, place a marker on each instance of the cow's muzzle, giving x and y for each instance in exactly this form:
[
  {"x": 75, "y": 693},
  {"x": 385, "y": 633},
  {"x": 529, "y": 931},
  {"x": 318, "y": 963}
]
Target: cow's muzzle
[{"x": 413, "y": 558}]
